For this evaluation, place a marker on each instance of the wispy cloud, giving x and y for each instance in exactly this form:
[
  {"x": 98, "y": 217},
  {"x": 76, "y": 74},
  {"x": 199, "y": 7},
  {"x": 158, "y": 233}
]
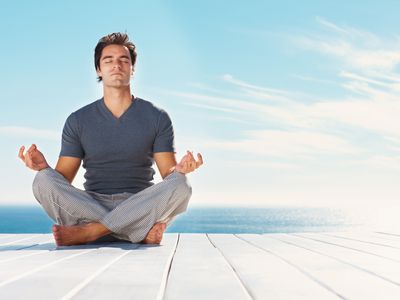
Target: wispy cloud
[
  {"x": 361, "y": 78},
  {"x": 356, "y": 48},
  {"x": 350, "y": 32},
  {"x": 376, "y": 110},
  {"x": 313, "y": 79},
  {"x": 253, "y": 164},
  {"x": 291, "y": 145},
  {"x": 361, "y": 127},
  {"x": 18, "y": 131},
  {"x": 243, "y": 84}
]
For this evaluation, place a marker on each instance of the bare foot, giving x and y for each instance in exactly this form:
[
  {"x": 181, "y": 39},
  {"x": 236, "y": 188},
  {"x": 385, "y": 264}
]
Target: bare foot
[
  {"x": 155, "y": 235},
  {"x": 78, "y": 234}
]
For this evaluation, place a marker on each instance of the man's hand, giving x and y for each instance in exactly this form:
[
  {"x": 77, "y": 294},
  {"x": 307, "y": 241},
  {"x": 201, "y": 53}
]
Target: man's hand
[
  {"x": 33, "y": 158},
  {"x": 188, "y": 163}
]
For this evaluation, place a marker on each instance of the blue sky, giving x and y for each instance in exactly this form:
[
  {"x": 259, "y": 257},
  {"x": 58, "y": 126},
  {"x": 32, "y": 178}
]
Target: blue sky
[{"x": 291, "y": 103}]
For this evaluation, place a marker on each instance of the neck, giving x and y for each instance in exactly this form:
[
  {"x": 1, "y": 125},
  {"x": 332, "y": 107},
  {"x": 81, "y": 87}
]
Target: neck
[
  {"x": 117, "y": 100},
  {"x": 117, "y": 95}
]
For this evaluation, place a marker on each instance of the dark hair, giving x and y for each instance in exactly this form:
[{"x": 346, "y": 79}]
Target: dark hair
[{"x": 116, "y": 38}]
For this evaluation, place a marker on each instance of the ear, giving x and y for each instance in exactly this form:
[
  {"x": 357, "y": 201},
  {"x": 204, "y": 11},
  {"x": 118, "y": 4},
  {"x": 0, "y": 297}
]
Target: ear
[{"x": 98, "y": 71}]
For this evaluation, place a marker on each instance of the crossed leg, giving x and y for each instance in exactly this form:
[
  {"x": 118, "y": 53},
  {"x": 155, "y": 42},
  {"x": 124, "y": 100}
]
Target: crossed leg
[
  {"x": 85, "y": 233},
  {"x": 82, "y": 219}
]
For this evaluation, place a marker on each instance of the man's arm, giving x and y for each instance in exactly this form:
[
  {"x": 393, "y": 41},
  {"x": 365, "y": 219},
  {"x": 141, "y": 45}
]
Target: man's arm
[
  {"x": 166, "y": 163},
  {"x": 68, "y": 166}
]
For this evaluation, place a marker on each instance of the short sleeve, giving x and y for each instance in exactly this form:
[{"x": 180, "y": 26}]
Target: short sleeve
[
  {"x": 70, "y": 142},
  {"x": 164, "y": 141}
]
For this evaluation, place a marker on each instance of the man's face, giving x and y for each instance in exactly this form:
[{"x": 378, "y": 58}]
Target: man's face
[{"x": 115, "y": 66}]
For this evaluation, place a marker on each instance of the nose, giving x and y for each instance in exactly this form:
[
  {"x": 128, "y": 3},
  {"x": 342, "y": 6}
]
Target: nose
[{"x": 117, "y": 65}]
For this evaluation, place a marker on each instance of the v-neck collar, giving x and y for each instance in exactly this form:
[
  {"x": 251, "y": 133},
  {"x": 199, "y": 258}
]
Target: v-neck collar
[{"x": 125, "y": 113}]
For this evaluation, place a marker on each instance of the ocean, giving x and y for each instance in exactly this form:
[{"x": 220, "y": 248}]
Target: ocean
[{"x": 199, "y": 219}]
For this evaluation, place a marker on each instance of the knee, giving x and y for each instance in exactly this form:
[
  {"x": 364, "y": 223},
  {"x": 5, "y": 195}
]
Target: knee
[
  {"x": 183, "y": 186},
  {"x": 42, "y": 179}
]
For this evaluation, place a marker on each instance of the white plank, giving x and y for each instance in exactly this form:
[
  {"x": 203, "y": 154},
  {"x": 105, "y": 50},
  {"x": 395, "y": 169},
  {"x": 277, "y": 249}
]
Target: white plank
[
  {"x": 57, "y": 272},
  {"x": 383, "y": 268},
  {"x": 14, "y": 270},
  {"x": 6, "y": 235},
  {"x": 27, "y": 242},
  {"x": 386, "y": 236},
  {"x": 38, "y": 244},
  {"x": 345, "y": 280},
  {"x": 199, "y": 271},
  {"x": 392, "y": 234},
  {"x": 265, "y": 274},
  {"x": 16, "y": 239},
  {"x": 366, "y": 237},
  {"x": 138, "y": 275},
  {"x": 29, "y": 269},
  {"x": 385, "y": 252}
]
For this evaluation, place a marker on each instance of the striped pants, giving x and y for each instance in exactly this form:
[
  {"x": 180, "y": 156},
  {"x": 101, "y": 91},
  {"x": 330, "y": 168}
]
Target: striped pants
[{"x": 129, "y": 216}]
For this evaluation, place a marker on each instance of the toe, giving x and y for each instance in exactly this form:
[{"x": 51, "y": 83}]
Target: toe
[
  {"x": 56, "y": 228},
  {"x": 57, "y": 240}
]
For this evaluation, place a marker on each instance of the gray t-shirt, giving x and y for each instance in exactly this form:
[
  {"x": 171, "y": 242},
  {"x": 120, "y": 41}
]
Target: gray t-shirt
[{"x": 117, "y": 153}]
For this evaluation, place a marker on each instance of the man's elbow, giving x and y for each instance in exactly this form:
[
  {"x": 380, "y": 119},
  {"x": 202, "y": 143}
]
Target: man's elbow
[{"x": 68, "y": 177}]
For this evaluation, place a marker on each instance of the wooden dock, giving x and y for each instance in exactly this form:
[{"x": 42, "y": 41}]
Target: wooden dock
[{"x": 329, "y": 265}]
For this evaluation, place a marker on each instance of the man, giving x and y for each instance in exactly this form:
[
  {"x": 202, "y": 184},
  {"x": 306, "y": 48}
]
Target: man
[{"x": 118, "y": 138}]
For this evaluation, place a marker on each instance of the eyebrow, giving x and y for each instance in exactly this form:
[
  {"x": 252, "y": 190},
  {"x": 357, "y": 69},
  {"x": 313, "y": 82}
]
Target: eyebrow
[{"x": 110, "y": 56}]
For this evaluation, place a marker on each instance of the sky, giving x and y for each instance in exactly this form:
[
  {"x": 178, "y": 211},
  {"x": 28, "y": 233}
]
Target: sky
[{"x": 290, "y": 103}]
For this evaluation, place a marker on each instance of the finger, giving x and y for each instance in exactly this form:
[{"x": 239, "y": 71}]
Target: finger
[
  {"x": 28, "y": 159},
  {"x": 200, "y": 160},
  {"x": 192, "y": 166},
  {"x": 189, "y": 154},
  {"x": 191, "y": 157},
  {"x": 21, "y": 153},
  {"x": 186, "y": 167},
  {"x": 31, "y": 148},
  {"x": 185, "y": 158}
]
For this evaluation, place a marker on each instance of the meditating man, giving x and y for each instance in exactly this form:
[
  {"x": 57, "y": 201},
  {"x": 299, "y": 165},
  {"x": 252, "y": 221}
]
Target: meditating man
[{"x": 118, "y": 137}]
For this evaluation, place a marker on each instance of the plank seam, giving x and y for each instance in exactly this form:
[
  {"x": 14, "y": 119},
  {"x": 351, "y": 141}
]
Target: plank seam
[
  {"x": 386, "y": 238},
  {"x": 15, "y": 278},
  {"x": 235, "y": 274},
  {"x": 22, "y": 256},
  {"x": 353, "y": 239},
  {"x": 80, "y": 286},
  {"x": 346, "y": 247},
  {"x": 167, "y": 270},
  {"x": 344, "y": 262},
  {"x": 27, "y": 247},
  {"x": 301, "y": 270},
  {"x": 38, "y": 244},
  {"x": 387, "y": 233},
  {"x": 13, "y": 242}
]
